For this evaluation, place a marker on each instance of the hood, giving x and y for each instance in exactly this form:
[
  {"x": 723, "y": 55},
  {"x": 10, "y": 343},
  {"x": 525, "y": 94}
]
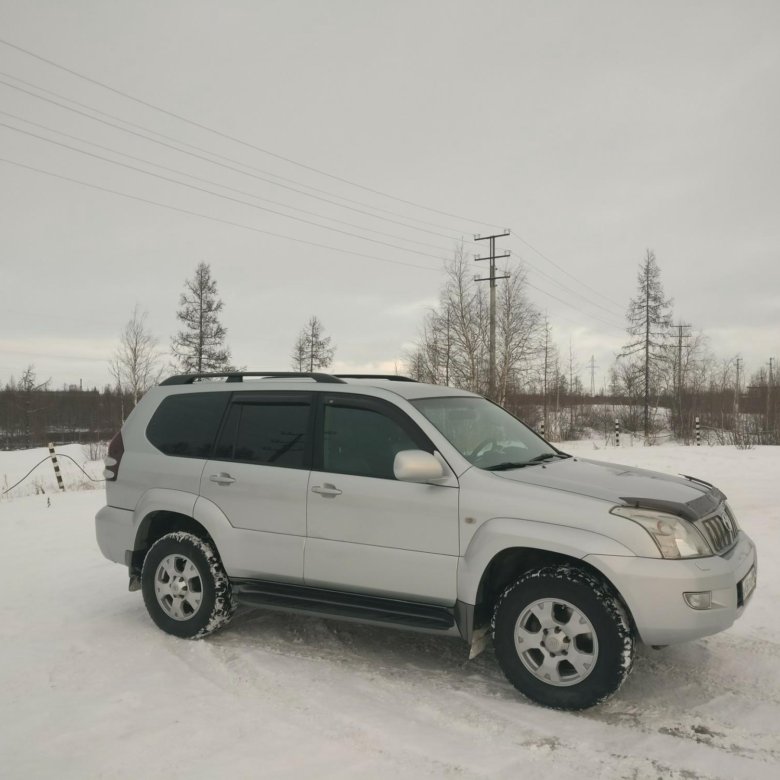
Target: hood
[{"x": 681, "y": 496}]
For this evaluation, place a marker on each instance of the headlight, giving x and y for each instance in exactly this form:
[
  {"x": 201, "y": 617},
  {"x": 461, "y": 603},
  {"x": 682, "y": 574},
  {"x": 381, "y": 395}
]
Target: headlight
[{"x": 675, "y": 537}]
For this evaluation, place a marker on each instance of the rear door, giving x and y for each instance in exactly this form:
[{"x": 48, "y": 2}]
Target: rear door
[
  {"x": 258, "y": 477},
  {"x": 368, "y": 531}
]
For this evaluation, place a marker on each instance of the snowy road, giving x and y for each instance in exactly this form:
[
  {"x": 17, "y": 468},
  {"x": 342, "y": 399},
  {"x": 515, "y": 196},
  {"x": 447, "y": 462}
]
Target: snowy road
[{"x": 90, "y": 688}]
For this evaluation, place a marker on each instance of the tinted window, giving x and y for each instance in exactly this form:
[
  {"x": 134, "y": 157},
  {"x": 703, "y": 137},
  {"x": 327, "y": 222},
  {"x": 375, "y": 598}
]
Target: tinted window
[
  {"x": 273, "y": 434},
  {"x": 227, "y": 441},
  {"x": 186, "y": 425},
  {"x": 362, "y": 442}
]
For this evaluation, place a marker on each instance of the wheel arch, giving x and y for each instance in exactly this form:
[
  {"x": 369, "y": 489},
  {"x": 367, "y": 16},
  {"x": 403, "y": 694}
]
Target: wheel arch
[
  {"x": 165, "y": 511},
  {"x": 509, "y": 564},
  {"x": 502, "y": 549},
  {"x": 157, "y": 523}
]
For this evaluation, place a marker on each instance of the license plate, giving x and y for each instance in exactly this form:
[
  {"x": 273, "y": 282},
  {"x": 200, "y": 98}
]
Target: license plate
[{"x": 748, "y": 584}]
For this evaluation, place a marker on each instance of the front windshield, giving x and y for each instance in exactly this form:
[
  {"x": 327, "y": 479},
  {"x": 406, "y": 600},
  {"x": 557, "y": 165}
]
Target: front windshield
[{"x": 485, "y": 434}]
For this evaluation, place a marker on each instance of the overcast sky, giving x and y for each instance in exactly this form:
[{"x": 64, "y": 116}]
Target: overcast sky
[{"x": 593, "y": 130}]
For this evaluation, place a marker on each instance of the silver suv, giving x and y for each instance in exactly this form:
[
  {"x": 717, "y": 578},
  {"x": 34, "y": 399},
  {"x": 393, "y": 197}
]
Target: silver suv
[{"x": 387, "y": 501}]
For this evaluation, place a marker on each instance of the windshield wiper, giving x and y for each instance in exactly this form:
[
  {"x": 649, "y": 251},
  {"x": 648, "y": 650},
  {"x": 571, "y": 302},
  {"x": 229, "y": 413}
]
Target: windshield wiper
[
  {"x": 519, "y": 465},
  {"x": 506, "y": 466},
  {"x": 547, "y": 456}
]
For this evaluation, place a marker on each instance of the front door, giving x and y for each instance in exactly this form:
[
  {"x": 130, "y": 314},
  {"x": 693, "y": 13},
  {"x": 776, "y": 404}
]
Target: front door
[{"x": 367, "y": 531}]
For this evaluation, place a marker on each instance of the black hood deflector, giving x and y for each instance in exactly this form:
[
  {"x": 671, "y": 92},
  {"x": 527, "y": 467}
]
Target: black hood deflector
[{"x": 693, "y": 510}]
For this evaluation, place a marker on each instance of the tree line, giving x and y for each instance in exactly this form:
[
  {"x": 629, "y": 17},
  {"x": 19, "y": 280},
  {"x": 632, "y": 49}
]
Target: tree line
[
  {"x": 32, "y": 414},
  {"x": 662, "y": 379}
]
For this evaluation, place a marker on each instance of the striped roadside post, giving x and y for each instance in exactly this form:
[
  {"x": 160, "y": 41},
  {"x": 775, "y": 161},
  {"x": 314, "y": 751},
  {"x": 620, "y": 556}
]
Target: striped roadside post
[
  {"x": 56, "y": 465},
  {"x": 542, "y": 428},
  {"x": 617, "y": 432},
  {"x": 698, "y": 433}
]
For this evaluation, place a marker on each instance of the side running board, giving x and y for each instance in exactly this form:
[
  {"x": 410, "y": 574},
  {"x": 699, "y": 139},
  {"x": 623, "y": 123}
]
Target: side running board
[{"x": 336, "y": 604}]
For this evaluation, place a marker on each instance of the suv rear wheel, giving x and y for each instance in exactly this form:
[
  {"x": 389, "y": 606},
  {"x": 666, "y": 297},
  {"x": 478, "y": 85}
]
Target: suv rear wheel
[
  {"x": 562, "y": 638},
  {"x": 185, "y": 588}
]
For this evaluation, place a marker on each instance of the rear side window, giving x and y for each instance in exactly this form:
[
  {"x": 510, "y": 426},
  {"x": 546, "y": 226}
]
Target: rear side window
[
  {"x": 275, "y": 433},
  {"x": 186, "y": 425}
]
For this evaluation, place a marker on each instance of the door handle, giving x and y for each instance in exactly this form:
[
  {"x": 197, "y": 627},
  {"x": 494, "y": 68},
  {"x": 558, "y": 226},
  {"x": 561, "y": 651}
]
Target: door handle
[
  {"x": 222, "y": 479},
  {"x": 327, "y": 490}
]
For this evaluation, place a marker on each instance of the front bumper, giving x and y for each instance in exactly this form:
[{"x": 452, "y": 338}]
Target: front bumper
[
  {"x": 653, "y": 591},
  {"x": 115, "y": 532}
]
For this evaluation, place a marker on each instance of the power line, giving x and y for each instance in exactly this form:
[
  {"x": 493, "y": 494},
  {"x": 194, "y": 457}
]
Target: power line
[
  {"x": 221, "y": 157},
  {"x": 260, "y": 230},
  {"x": 214, "y": 162},
  {"x": 215, "y": 194},
  {"x": 229, "y": 137},
  {"x": 216, "y": 219},
  {"x": 564, "y": 287},
  {"x": 305, "y": 194},
  {"x": 561, "y": 269},
  {"x": 286, "y": 159},
  {"x": 210, "y": 181},
  {"x": 571, "y": 306},
  {"x": 201, "y": 189}
]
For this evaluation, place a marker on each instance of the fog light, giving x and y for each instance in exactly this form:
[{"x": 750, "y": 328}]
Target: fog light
[{"x": 700, "y": 600}]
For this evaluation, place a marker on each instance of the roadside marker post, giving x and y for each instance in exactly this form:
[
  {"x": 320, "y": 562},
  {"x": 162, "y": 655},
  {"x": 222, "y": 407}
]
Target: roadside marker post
[{"x": 56, "y": 465}]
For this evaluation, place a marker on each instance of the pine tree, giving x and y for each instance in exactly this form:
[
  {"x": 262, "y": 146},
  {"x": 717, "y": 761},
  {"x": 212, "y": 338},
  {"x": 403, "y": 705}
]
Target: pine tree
[
  {"x": 649, "y": 318},
  {"x": 200, "y": 346},
  {"x": 312, "y": 349}
]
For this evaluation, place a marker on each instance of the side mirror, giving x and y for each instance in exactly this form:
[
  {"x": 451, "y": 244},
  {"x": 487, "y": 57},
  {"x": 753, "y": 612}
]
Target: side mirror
[{"x": 416, "y": 466}]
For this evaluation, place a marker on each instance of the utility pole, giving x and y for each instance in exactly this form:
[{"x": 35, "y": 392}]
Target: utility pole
[
  {"x": 492, "y": 279},
  {"x": 571, "y": 391},
  {"x": 680, "y": 335},
  {"x": 769, "y": 395},
  {"x": 736, "y": 388},
  {"x": 593, "y": 368},
  {"x": 546, "y": 372}
]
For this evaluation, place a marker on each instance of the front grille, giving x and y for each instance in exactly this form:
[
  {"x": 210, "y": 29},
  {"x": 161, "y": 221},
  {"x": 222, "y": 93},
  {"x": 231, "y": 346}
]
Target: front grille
[{"x": 720, "y": 530}]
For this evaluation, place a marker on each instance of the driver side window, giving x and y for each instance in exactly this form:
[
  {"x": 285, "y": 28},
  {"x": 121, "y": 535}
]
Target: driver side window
[{"x": 362, "y": 442}]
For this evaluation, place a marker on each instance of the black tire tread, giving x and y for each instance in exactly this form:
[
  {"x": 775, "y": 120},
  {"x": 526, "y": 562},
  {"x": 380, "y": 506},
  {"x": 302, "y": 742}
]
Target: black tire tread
[
  {"x": 224, "y": 603},
  {"x": 595, "y": 688}
]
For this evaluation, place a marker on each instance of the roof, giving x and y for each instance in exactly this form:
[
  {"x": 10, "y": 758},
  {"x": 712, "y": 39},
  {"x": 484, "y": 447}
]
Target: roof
[{"x": 399, "y": 385}]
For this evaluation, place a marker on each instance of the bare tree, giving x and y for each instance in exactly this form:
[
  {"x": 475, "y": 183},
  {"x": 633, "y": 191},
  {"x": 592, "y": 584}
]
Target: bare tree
[
  {"x": 28, "y": 394},
  {"x": 519, "y": 331},
  {"x": 649, "y": 317},
  {"x": 312, "y": 349},
  {"x": 453, "y": 347},
  {"x": 299, "y": 361},
  {"x": 200, "y": 346},
  {"x": 135, "y": 365}
]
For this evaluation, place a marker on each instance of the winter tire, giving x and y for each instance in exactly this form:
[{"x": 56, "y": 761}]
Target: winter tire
[
  {"x": 562, "y": 638},
  {"x": 185, "y": 588}
]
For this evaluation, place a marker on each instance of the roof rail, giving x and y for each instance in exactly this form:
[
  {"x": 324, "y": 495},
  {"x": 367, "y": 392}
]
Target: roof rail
[
  {"x": 238, "y": 376},
  {"x": 391, "y": 377}
]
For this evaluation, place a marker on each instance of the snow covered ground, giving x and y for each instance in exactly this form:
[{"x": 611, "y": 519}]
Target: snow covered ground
[{"x": 89, "y": 687}]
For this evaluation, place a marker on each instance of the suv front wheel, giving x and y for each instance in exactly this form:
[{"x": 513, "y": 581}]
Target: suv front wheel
[
  {"x": 562, "y": 638},
  {"x": 185, "y": 588}
]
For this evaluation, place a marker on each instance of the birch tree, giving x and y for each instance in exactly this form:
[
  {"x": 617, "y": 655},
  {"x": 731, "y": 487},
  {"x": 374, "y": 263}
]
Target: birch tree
[
  {"x": 135, "y": 365},
  {"x": 453, "y": 346}
]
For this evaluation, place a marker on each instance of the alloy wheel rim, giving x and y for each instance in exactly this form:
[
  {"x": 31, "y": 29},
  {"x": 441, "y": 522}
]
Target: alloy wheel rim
[
  {"x": 178, "y": 587},
  {"x": 556, "y": 642}
]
